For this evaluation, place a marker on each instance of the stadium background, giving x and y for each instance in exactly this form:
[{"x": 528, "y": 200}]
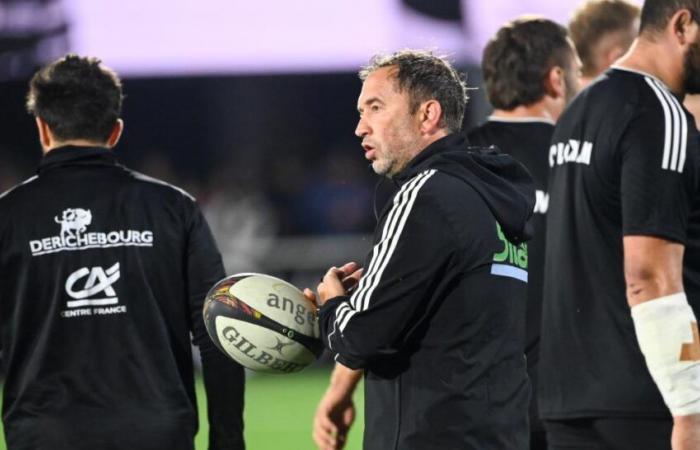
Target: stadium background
[{"x": 250, "y": 106}]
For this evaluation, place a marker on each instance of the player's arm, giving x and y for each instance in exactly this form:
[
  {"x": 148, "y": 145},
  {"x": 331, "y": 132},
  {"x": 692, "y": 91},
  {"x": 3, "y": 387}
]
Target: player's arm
[
  {"x": 392, "y": 297},
  {"x": 335, "y": 413},
  {"x": 666, "y": 329},
  {"x": 224, "y": 379},
  {"x": 656, "y": 192},
  {"x": 653, "y": 268}
]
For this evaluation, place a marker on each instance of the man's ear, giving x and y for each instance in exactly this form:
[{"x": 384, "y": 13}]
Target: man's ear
[
  {"x": 431, "y": 116},
  {"x": 554, "y": 83},
  {"x": 116, "y": 133},
  {"x": 684, "y": 27},
  {"x": 45, "y": 135}
]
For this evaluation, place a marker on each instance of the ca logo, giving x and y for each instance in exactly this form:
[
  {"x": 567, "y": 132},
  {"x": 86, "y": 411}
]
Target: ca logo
[{"x": 98, "y": 281}]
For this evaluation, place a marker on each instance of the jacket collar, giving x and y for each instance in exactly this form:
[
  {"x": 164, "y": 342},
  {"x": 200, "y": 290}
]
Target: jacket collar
[
  {"x": 418, "y": 163},
  {"x": 72, "y": 155}
]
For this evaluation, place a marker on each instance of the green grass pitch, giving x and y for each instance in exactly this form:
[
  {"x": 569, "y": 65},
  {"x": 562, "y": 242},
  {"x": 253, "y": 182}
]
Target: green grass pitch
[{"x": 279, "y": 411}]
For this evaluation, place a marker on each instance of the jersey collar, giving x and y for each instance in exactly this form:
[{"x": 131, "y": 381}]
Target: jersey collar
[
  {"x": 529, "y": 119},
  {"x": 72, "y": 155},
  {"x": 639, "y": 72}
]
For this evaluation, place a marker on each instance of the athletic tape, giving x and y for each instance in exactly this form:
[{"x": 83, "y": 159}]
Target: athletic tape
[{"x": 667, "y": 333}]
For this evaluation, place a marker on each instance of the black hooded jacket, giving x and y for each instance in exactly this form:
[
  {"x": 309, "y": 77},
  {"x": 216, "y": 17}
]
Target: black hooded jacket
[{"x": 437, "y": 321}]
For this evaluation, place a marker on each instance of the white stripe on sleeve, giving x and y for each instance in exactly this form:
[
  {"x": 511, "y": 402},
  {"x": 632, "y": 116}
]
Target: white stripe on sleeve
[
  {"x": 683, "y": 133},
  {"x": 668, "y": 128},
  {"x": 393, "y": 228},
  {"x": 676, "y": 128}
]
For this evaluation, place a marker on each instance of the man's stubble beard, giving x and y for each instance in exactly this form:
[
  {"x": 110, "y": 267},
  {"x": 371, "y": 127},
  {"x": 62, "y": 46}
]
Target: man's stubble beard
[{"x": 691, "y": 69}]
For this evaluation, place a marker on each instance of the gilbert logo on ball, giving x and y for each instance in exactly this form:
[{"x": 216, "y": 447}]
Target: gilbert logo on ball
[{"x": 263, "y": 323}]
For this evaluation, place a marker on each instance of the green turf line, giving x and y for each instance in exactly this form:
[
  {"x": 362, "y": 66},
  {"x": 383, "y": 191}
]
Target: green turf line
[{"x": 279, "y": 412}]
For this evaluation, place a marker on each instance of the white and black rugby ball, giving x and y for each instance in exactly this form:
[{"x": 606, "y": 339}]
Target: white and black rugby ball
[{"x": 263, "y": 323}]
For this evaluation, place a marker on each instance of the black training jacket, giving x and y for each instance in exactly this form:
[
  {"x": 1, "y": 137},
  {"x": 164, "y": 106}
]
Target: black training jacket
[
  {"x": 438, "y": 319},
  {"x": 103, "y": 272}
]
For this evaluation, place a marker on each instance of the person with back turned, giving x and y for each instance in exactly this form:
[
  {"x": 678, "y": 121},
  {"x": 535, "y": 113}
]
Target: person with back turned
[
  {"x": 531, "y": 74},
  {"x": 103, "y": 273}
]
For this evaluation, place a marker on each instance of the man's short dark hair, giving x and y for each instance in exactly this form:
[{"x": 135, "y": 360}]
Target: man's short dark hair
[
  {"x": 426, "y": 77},
  {"x": 77, "y": 97},
  {"x": 657, "y": 13},
  {"x": 596, "y": 19},
  {"x": 517, "y": 60}
]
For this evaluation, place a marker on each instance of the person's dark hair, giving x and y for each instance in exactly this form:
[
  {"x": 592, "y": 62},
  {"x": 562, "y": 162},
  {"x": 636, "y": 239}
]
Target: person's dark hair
[
  {"x": 517, "y": 60},
  {"x": 426, "y": 76},
  {"x": 657, "y": 13},
  {"x": 77, "y": 97},
  {"x": 596, "y": 19}
]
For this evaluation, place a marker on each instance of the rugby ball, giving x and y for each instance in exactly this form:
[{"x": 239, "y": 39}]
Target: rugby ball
[{"x": 262, "y": 322}]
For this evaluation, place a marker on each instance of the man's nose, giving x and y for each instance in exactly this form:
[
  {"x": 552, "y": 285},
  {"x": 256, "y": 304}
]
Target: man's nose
[{"x": 362, "y": 129}]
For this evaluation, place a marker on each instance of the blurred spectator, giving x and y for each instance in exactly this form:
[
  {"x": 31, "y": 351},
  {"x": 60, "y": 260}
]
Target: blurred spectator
[
  {"x": 603, "y": 31},
  {"x": 239, "y": 216},
  {"x": 287, "y": 178},
  {"x": 32, "y": 32},
  {"x": 9, "y": 176},
  {"x": 13, "y": 170},
  {"x": 340, "y": 200}
]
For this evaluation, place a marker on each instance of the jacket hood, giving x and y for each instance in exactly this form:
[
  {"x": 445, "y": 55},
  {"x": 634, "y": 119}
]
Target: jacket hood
[{"x": 502, "y": 182}]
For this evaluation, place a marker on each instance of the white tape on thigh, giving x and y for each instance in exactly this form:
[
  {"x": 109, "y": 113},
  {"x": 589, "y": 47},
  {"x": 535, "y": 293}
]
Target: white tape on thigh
[{"x": 667, "y": 333}]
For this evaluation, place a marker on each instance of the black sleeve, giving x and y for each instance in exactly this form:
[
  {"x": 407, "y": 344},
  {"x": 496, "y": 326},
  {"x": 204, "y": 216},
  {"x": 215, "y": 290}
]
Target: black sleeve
[
  {"x": 224, "y": 379},
  {"x": 657, "y": 179},
  {"x": 390, "y": 299}
]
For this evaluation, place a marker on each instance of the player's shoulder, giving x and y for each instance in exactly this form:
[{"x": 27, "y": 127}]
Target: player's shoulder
[
  {"x": 17, "y": 196},
  {"x": 158, "y": 186},
  {"x": 653, "y": 103},
  {"x": 495, "y": 124},
  {"x": 486, "y": 134},
  {"x": 422, "y": 188},
  {"x": 608, "y": 105},
  {"x": 442, "y": 191},
  {"x": 438, "y": 200},
  {"x": 508, "y": 133},
  {"x": 18, "y": 190},
  {"x": 479, "y": 134},
  {"x": 623, "y": 86}
]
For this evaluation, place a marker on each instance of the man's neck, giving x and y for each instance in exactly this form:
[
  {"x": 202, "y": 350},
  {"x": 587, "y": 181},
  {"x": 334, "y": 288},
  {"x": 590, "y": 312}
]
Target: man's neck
[
  {"x": 534, "y": 111},
  {"x": 425, "y": 142},
  {"x": 584, "y": 81},
  {"x": 74, "y": 143},
  {"x": 657, "y": 59}
]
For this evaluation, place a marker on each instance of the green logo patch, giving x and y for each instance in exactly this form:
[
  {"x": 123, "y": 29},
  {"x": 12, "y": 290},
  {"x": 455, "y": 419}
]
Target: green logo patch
[{"x": 511, "y": 254}]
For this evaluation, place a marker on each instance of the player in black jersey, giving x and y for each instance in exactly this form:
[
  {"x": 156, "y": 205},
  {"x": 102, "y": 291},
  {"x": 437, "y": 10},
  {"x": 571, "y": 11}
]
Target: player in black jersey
[
  {"x": 103, "y": 272},
  {"x": 623, "y": 231},
  {"x": 531, "y": 72}
]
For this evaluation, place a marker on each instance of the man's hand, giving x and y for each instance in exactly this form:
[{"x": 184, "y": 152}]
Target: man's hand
[
  {"x": 686, "y": 432},
  {"x": 336, "y": 411},
  {"x": 334, "y": 416},
  {"x": 336, "y": 282}
]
